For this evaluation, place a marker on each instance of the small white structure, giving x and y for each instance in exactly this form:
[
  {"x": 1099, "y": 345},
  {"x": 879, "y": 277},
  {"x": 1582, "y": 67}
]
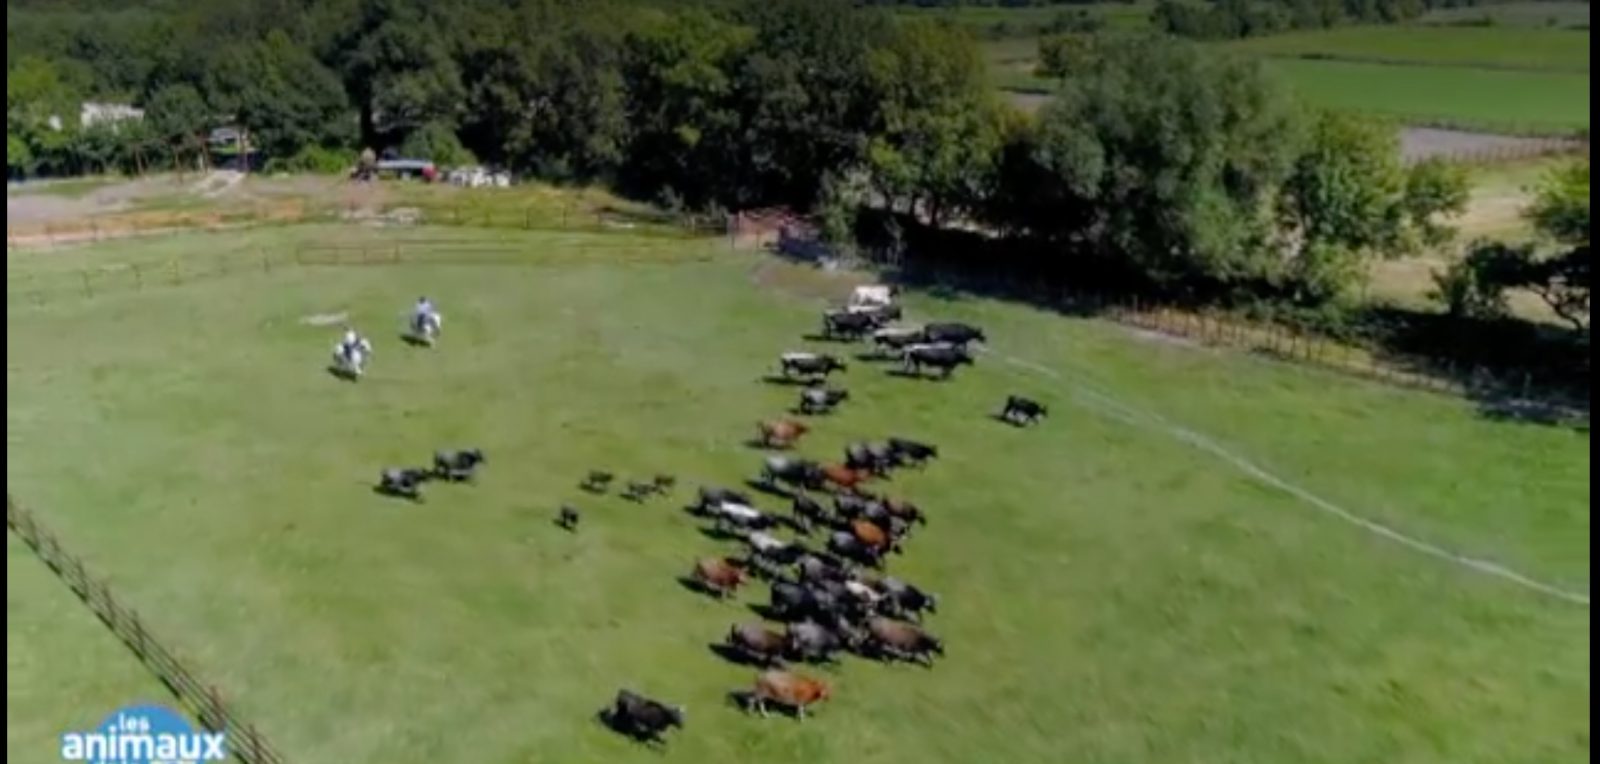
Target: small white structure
[{"x": 478, "y": 177}]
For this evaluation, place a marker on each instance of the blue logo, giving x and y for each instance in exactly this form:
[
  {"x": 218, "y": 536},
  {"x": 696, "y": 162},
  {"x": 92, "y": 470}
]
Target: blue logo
[{"x": 146, "y": 734}]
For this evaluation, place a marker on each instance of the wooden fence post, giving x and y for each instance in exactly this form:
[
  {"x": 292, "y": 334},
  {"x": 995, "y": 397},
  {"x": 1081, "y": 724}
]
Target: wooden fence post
[
  {"x": 177, "y": 274},
  {"x": 87, "y": 290}
]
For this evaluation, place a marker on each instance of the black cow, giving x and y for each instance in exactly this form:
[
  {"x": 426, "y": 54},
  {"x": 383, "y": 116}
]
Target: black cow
[
  {"x": 848, "y": 325},
  {"x": 458, "y": 465},
  {"x": 799, "y": 472},
  {"x": 944, "y": 358},
  {"x": 808, "y": 364},
  {"x": 817, "y": 566},
  {"x": 403, "y": 481},
  {"x": 913, "y": 451},
  {"x": 1020, "y": 410},
  {"x": 903, "y": 599},
  {"x": 641, "y": 718},
  {"x": 797, "y": 602},
  {"x": 815, "y": 400},
  {"x": 807, "y": 511},
  {"x": 567, "y": 518},
  {"x": 865, "y": 456},
  {"x": 954, "y": 333}
]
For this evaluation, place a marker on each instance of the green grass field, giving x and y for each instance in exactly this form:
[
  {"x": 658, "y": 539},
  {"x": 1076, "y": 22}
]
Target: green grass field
[
  {"x": 64, "y": 670},
  {"x": 1110, "y": 592},
  {"x": 1486, "y": 98},
  {"x": 1535, "y": 14},
  {"x": 1481, "y": 47}
]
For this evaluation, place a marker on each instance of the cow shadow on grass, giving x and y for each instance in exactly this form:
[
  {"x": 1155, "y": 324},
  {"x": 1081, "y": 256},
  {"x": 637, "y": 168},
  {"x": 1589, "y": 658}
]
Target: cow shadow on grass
[
  {"x": 341, "y": 373},
  {"x": 1003, "y": 419},
  {"x": 415, "y": 341},
  {"x": 767, "y": 612},
  {"x": 836, "y": 339},
  {"x": 391, "y": 493},
  {"x": 719, "y": 534},
  {"x": 770, "y": 489},
  {"x": 744, "y": 700},
  {"x": 700, "y": 588},
  {"x": 779, "y": 379},
  {"x": 736, "y": 656}
]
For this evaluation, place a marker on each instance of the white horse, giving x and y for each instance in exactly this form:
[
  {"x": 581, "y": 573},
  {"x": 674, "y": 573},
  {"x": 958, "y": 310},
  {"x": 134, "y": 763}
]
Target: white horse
[
  {"x": 426, "y": 326},
  {"x": 352, "y": 357}
]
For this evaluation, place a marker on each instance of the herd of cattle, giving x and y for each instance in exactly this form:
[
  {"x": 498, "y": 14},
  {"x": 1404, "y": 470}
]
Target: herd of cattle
[{"x": 823, "y": 559}]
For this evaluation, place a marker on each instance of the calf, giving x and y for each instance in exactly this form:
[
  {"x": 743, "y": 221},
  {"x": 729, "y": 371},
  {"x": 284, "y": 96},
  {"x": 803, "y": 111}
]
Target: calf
[
  {"x": 596, "y": 481},
  {"x": 907, "y": 641},
  {"x": 458, "y": 465},
  {"x": 567, "y": 518},
  {"x": 786, "y": 689},
  {"x": 405, "y": 482},
  {"x": 721, "y": 576},
  {"x": 945, "y": 359},
  {"x": 1020, "y": 410},
  {"x": 901, "y": 598},
  {"x": 913, "y": 451},
  {"x": 781, "y": 433},
  {"x": 809, "y": 364},
  {"x": 641, "y": 718},
  {"x": 757, "y": 643},
  {"x": 814, "y": 400}
]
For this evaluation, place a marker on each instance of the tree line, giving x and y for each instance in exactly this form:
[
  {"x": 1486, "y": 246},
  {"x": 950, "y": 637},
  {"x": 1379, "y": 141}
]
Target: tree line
[{"x": 1160, "y": 165}]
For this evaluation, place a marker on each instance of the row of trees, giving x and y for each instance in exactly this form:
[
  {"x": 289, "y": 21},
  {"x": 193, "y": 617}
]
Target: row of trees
[
  {"x": 1228, "y": 19},
  {"x": 1159, "y": 162}
]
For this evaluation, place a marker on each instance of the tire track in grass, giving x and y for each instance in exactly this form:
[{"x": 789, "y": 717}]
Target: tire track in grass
[{"x": 1089, "y": 396}]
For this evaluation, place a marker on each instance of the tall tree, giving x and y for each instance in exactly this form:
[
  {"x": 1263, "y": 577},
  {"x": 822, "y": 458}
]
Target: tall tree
[{"x": 1161, "y": 158}]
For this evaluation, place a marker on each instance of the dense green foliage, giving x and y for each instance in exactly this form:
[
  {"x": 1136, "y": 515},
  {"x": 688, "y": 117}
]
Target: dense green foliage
[
  {"x": 1161, "y": 163},
  {"x": 1556, "y": 266}
]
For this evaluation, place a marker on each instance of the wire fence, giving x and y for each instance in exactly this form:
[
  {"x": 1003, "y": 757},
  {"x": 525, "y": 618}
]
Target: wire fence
[
  {"x": 214, "y": 713},
  {"x": 1520, "y": 149}
]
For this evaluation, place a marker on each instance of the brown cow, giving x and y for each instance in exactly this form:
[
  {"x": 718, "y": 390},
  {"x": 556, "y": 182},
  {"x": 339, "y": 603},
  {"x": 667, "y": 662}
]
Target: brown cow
[
  {"x": 781, "y": 433},
  {"x": 872, "y": 535},
  {"x": 786, "y": 689},
  {"x": 844, "y": 477},
  {"x": 722, "y": 575},
  {"x": 757, "y": 642},
  {"x": 903, "y": 640}
]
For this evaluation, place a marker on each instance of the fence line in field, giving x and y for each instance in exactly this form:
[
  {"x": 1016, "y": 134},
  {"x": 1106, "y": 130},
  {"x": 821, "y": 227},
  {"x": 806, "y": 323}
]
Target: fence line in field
[
  {"x": 1524, "y": 148},
  {"x": 245, "y": 741},
  {"x": 568, "y": 218}
]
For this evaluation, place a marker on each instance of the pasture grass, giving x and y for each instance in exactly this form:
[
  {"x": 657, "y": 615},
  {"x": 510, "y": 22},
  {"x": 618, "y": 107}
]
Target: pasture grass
[
  {"x": 1110, "y": 593},
  {"x": 1526, "y": 14},
  {"x": 1490, "y": 99},
  {"x": 1481, "y": 47},
  {"x": 65, "y": 671}
]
